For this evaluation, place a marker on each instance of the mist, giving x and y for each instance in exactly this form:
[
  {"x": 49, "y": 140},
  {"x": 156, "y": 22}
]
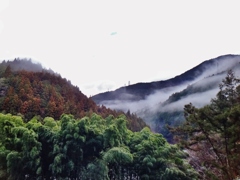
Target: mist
[
  {"x": 205, "y": 89},
  {"x": 167, "y": 104},
  {"x": 197, "y": 99},
  {"x": 220, "y": 65},
  {"x": 150, "y": 102},
  {"x": 20, "y": 64}
]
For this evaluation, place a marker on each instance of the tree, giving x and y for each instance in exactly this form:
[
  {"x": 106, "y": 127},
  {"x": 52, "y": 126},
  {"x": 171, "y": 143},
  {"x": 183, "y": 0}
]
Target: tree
[
  {"x": 118, "y": 159},
  {"x": 155, "y": 158},
  {"x": 88, "y": 148},
  {"x": 20, "y": 148},
  {"x": 214, "y": 127},
  {"x": 8, "y": 71}
]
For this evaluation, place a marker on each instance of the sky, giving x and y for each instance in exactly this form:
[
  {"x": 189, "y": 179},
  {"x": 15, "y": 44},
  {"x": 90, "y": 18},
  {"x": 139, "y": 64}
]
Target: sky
[{"x": 102, "y": 45}]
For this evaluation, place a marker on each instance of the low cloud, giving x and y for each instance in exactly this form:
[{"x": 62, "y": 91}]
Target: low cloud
[
  {"x": 199, "y": 92},
  {"x": 150, "y": 102},
  {"x": 197, "y": 99},
  {"x": 106, "y": 86},
  {"x": 93, "y": 88},
  {"x": 225, "y": 63},
  {"x": 203, "y": 92}
]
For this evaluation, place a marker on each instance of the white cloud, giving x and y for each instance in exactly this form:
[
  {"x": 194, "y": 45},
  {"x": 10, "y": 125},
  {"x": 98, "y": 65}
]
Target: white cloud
[{"x": 98, "y": 87}]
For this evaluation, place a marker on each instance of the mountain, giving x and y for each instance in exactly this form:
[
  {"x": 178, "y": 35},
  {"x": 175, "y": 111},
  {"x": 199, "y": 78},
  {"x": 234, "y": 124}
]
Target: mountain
[
  {"x": 141, "y": 91},
  {"x": 28, "y": 89},
  {"x": 162, "y": 102}
]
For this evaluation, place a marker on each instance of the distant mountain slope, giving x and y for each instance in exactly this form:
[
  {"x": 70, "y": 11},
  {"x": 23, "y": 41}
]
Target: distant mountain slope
[
  {"x": 140, "y": 91},
  {"x": 170, "y": 112},
  {"x": 162, "y": 102},
  {"x": 29, "y": 89}
]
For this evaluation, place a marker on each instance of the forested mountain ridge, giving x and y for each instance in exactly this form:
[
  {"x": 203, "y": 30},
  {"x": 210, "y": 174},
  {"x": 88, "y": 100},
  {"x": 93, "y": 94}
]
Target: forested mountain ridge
[
  {"x": 140, "y": 91},
  {"x": 165, "y": 106},
  {"x": 29, "y": 89},
  {"x": 170, "y": 112}
]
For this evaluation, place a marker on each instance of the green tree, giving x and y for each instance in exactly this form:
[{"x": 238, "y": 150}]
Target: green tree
[
  {"x": 89, "y": 148},
  {"x": 155, "y": 158},
  {"x": 214, "y": 127},
  {"x": 20, "y": 148},
  {"x": 46, "y": 135},
  {"x": 97, "y": 169},
  {"x": 118, "y": 159}
]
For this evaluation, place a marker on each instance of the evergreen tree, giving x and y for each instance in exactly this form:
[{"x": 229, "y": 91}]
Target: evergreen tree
[{"x": 211, "y": 133}]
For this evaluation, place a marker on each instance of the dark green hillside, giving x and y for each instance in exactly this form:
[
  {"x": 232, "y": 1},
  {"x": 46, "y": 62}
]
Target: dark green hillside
[{"x": 27, "y": 88}]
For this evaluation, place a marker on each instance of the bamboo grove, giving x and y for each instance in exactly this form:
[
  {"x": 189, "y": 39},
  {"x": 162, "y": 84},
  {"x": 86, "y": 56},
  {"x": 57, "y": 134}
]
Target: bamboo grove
[{"x": 88, "y": 148}]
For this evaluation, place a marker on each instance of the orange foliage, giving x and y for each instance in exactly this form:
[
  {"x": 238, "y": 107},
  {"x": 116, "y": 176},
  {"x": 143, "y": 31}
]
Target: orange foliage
[{"x": 47, "y": 94}]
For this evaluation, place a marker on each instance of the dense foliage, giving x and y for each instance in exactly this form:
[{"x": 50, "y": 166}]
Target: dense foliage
[
  {"x": 212, "y": 133},
  {"x": 88, "y": 148},
  {"x": 30, "y": 90}
]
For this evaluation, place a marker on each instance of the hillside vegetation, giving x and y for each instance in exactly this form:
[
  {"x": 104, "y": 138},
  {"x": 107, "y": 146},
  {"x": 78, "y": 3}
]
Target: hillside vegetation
[
  {"x": 29, "y": 89},
  {"x": 88, "y": 148},
  {"x": 211, "y": 134},
  {"x": 50, "y": 130}
]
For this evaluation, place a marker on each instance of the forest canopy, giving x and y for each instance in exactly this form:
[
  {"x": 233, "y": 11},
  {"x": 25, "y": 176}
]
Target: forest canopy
[{"x": 87, "y": 148}]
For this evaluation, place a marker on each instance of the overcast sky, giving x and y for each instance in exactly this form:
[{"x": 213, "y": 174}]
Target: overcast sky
[{"x": 101, "y": 45}]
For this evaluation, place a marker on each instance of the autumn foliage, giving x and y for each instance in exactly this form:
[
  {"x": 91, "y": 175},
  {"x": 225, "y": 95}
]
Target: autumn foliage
[{"x": 42, "y": 92}]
